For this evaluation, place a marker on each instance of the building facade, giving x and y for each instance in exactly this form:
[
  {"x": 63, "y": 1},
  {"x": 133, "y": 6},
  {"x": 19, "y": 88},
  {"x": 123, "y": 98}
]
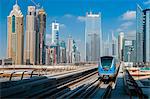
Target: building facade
[
  {"x": 63, "y": 58},
  {"x": 93, "y": 37},
  {"x": 107, "y": 47},
  {"x": 47, "y": 56},
  {"x": 129, "y": 46},
  {"x": 139, "y": 34},
  {"x": 143, "y": 35},
  {"x": 69, "y": 49},
  {"x": 15, "y": 29},
  {"x": 55, "y": 33},
  {"x": 114, "y": 47},
  {"x": 42, "y": 34},
  {"x": 31, "y": 36},
  {"x": 146, "y": 33},
  {"x": 120, "y": 46}
]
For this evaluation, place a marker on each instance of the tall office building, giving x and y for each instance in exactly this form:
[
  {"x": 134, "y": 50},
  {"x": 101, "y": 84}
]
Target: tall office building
[
  {"x": 47, "y": 56},
  {"x": 55, "y": 33},
  {"x": 31, "y": 36},
  {"x": 129, "y": 45},
  {"x": 42, "y": 33},
  {"x": 69, "y": 49},
  {"x": 114, "y": 47},
  {"x": 55, "y": 40},
  {"x": 139, "y": 34},
  {"x": 146, "y": 31},
  {"x": 15, "y": 35},
  {"x": 107, "y": 47},
  {"x": 143, "y": 35},
  {"x": 93, "y": 37},
  {"x": 63, "y": 52},
  {"x": 120, "y": 46}
]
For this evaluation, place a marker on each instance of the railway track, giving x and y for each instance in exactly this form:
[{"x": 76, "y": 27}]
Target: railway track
[
  {"x": 43, "y": 86},
  {"x": 84, "y": 84}
]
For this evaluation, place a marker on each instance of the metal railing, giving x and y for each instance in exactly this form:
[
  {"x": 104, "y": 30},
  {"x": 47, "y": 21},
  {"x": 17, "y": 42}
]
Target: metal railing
[{"x": 130, "y": 84}]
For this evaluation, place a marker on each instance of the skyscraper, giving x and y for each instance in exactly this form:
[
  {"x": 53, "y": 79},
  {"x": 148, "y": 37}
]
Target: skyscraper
[
  {"x": 114, "y": 47},
  {"x": 143, "y": 35},
  {"x": 15, "y": 35},
  {"x": 93, "y": 37},
  {"x": 129, "y": 45},
  {"x": 55, "y": 40},
  {"x": 63, "y": 52},
  {"x": 139, "y": 34},
  {"x": 107, "y": 47},
  {"x": 31, "y": 36},
  {"x": 55, "y": 33},
  {"x": 42, "y": 33},
  {"x": 146, "y": 33},
  {"x": 69, "y": 49},
  {"x": 120, "y": 46}
]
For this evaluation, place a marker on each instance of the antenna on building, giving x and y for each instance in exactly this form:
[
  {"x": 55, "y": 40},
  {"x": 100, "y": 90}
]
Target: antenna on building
[
  {"x": 36, "y": 4},
  {"x": 16, "y": 1}
]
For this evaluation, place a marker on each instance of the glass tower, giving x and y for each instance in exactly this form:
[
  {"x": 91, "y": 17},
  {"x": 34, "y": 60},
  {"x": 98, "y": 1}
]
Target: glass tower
[
  {"x": 146, "y": 31},
  {"x": 139, "y": 34},
  {"x": 93, "y": 37}
]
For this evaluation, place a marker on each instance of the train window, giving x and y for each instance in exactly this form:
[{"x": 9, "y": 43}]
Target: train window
[{"x": 106, "y": 62}]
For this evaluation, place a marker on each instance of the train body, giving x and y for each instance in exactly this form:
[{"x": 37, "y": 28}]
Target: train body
[{"x": 107, "y": 68}]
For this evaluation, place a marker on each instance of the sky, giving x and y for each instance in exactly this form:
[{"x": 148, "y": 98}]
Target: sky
[{"x": 117, "y": 16}]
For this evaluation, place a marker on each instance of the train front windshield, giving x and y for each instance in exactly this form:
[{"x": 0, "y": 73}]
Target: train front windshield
[{"x": 106, "y": 62}]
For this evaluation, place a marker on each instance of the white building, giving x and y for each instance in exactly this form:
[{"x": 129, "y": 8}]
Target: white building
[
  {"x": 55, "y": 33},
  {"x": 120, "y": 46}
]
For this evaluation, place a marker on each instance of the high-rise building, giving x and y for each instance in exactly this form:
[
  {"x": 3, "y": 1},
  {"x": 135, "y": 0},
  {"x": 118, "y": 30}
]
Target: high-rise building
[
  {"x": 15, "y": 29},
  {"x": 55, "y": 33},
  {"x": 114, "y": 47},
  {"x": 93, "y": 37},
  {"x": 146, "y": 31},
  {"x": 107, "y": 47},
  {"x": 129, "y": 45},
  {"x": 55, "y": 40},
  {"x": 47, "y": 56},
  {"x": 139, "y": 34},
  {"x": 120, "y": 46},
  {"x": 42, "y": 34},
  {"x": 31, "y": 36},
  {"x": 143, "y": 35},
  {"x": 63, "y": 52},
  {"x": 53, "y": 54},
  {"x": 69, "y": 49}
]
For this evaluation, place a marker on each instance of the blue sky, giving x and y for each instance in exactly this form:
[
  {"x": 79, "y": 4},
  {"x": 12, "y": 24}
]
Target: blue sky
[{"x": 117, "y": 15}]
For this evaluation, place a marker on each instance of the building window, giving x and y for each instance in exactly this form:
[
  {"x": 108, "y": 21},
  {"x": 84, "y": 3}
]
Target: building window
[
  {"x": 13, "y": 24},
  {"x": 55, "y": 26}
]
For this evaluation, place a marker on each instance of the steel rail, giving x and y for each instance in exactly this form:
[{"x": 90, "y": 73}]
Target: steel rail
[{"x": 52, "y": 92}]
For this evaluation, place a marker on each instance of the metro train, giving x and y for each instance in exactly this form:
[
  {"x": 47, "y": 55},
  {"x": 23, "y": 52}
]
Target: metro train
[{"x": 107, "y": 68}]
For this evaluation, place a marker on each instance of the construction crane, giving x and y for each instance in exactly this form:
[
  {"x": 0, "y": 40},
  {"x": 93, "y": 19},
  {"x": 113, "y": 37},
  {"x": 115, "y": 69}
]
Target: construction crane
[{"x": 37, "y": 5}]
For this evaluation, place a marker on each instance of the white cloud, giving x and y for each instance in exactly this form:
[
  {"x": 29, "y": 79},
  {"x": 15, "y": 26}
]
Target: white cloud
[
  {"x": 81, "y": 18},
  {"x": 126, "y": 24},
  {"x": 68, "y": 15},
  {"x": 119, "y": 29},
  {"x": 129, "y": 15},
  {"x": 147, "y": 2},
  {"x": 62, "y": 25}
]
